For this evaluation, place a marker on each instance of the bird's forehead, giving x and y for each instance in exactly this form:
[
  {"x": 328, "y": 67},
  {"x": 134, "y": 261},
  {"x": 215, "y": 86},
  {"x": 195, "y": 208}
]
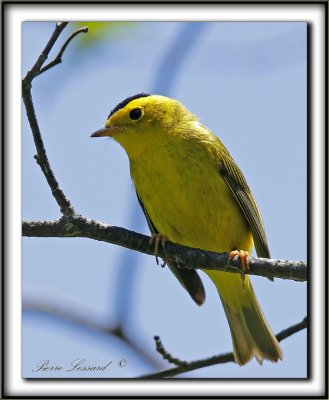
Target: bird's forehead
[{"x": 125, "y": 102}]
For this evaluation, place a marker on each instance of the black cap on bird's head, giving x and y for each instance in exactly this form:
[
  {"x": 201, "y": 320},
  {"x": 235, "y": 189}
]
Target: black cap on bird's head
[{"x": 127, "y": 101}]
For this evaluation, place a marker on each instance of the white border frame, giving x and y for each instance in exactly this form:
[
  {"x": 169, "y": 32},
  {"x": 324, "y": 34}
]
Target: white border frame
[{"x": 14, "y": 15}]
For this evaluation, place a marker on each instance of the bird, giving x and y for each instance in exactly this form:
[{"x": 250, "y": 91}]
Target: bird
[{"x": 194, "y": 194}]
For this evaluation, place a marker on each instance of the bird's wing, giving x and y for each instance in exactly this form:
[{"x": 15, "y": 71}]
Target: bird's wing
[
  {"x": 239, "y": 187},
  {"x": 188, "y": 278}
]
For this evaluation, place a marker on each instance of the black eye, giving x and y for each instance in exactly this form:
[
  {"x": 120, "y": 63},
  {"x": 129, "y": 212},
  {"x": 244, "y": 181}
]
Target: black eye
[{"x": 136, "y": 113}]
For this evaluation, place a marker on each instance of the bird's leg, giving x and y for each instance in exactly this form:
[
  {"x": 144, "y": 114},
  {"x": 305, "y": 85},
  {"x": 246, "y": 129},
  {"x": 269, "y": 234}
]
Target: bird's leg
[
  {"x": 244, "y": 258},
  {"x": 157, "y": 238}
]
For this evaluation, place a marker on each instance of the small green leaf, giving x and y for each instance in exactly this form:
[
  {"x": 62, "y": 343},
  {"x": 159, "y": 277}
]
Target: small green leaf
[{"x": 99, "y": 31}]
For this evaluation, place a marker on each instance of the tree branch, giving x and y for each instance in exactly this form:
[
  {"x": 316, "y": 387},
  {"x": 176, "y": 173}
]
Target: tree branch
[
  {"x": 35, "y": 70},
  {"x": 182, "y": 256},
  {"x": 46, "y": 306},
  {"x": 167, "y": 356},
  {"x": 41, "y": 156},
  {"x": 58, "y": 58},
  {"x": 220, "y": 359},
  {"x": 42, "y": 159}
]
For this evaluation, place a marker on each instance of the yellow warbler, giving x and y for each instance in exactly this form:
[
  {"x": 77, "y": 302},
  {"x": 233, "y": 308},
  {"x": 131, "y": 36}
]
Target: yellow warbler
[{"x": 193, "y": 193}]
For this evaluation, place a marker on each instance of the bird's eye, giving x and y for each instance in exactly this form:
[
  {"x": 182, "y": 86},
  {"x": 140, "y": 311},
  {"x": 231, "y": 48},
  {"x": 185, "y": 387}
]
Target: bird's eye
[{"x": 136, "y": 113}]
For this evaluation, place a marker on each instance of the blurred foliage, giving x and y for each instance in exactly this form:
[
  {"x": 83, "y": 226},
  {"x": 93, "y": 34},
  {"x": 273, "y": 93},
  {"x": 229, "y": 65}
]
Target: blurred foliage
[{"x": 98, "y": 31}]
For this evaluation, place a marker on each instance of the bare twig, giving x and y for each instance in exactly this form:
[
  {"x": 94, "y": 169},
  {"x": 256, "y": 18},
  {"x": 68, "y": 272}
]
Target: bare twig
[
  {"x": 58, "y": 58},
  {"x": 285, "y": 333},
  {"x": 34, "y": 71},
  {"x": 41, "y": 156},
  {"x": 161, "y": 350},
  {"x": 42, "y": 159},
  {"x": 220, "y": 359},
  {"x": 184, "y": 257}
]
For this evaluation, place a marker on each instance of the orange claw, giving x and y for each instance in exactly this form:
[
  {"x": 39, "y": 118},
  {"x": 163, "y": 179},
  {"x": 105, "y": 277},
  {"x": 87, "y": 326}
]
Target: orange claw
[{"x": 157, "y": 238}]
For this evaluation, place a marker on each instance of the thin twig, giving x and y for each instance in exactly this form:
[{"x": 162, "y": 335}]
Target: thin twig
[
  {"x": 167, "y": 356},
  {"x": 220, "y": 359},
  {"x": 58, "y": 58},
  {"x": 41, "y": 156},
  {"x": 34, "y": 71},
  {"x": 182, "y": 256},
  {"x": 292, "y": 329},
  {"x": 42, "y": 159}
]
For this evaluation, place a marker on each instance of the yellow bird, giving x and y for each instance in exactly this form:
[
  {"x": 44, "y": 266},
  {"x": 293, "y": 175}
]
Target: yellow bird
[{"x": 193, "y": 193}]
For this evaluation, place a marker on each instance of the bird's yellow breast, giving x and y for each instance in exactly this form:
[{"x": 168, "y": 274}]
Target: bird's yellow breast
[{"x": 187, "y": 199}]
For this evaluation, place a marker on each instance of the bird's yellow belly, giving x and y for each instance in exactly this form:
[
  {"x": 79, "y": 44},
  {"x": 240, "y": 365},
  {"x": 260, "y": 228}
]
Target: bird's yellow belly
[{"x": 191, "y": 206}]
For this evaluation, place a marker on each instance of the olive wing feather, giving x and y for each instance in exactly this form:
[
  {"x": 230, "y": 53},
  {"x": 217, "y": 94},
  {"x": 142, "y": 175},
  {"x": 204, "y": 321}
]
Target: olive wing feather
[{"x": 240, "y": 189}]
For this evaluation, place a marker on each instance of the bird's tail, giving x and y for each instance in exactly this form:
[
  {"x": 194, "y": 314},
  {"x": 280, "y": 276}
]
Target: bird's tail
[{"x": 251, "y": 334}]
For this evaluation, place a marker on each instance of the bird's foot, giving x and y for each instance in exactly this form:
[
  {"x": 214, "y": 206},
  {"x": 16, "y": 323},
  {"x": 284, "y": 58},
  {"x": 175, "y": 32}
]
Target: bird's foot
[
  {"x": 244, "y": 258},
  {"x": 157, "y": 238}
]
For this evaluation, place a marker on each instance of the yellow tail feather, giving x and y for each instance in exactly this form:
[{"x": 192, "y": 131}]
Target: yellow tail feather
[{"x": 251, "y": 334}]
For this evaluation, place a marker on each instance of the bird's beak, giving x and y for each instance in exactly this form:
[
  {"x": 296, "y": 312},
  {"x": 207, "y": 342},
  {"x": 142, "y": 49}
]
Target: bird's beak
[{"x": 107, "y": 131}]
